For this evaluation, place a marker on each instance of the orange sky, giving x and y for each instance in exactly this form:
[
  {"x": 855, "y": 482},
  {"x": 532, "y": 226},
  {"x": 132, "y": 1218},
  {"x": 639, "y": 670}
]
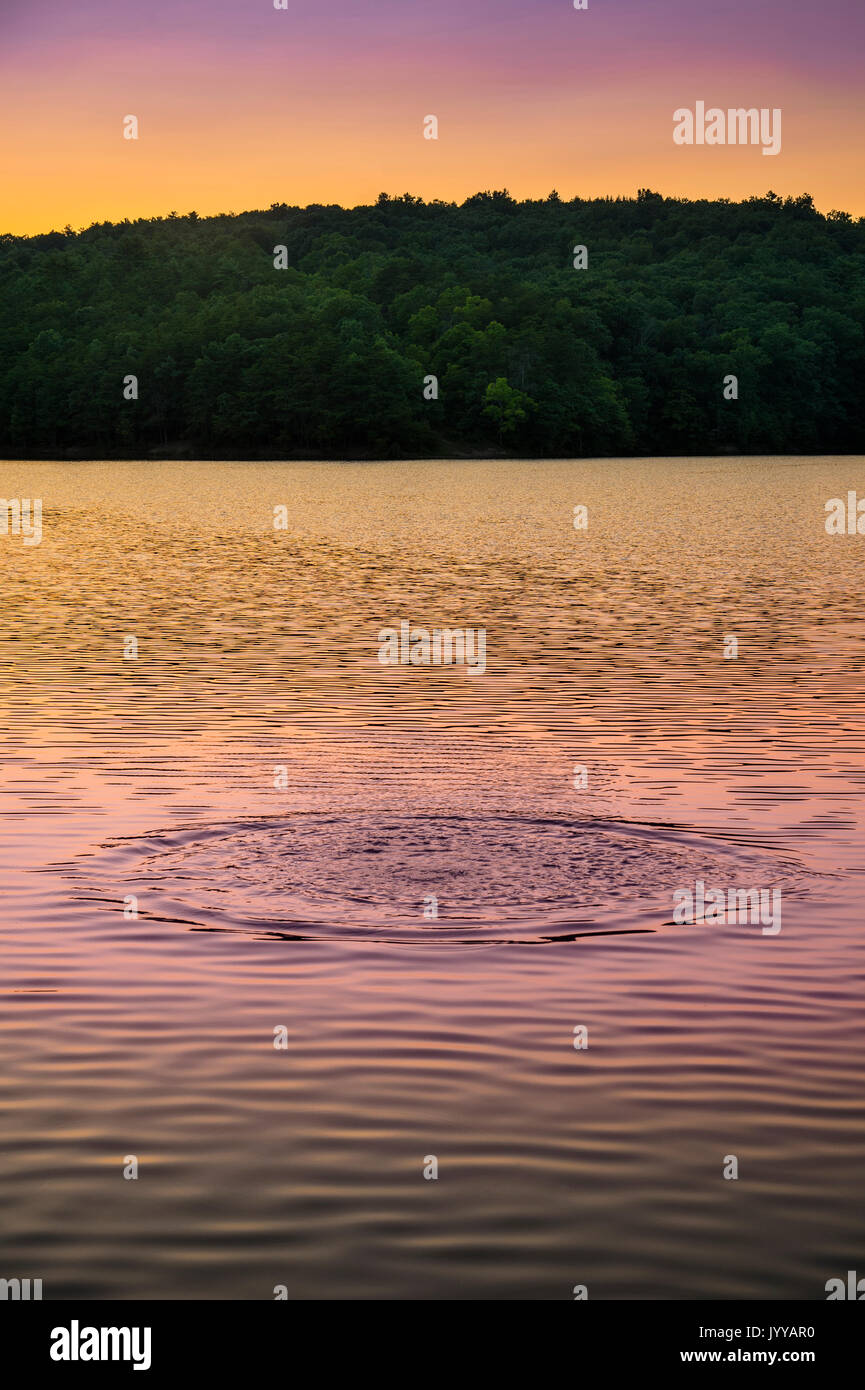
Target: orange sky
[{"x": 237, "y": 118}]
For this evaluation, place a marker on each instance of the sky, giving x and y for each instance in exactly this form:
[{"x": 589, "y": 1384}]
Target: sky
[{"x": 241, "y": 105}]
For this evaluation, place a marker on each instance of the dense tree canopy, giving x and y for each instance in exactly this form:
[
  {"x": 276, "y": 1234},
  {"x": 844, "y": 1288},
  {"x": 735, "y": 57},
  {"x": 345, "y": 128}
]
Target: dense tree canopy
[{"x": 332, "y": 355}]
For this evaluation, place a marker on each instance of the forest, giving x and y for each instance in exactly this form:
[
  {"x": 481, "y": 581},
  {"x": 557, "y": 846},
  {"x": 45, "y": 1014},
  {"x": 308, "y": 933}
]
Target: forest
[{"x": 413, "y": 329}]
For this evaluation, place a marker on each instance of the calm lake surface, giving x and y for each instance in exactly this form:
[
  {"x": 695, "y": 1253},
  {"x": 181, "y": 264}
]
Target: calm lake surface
[{"x": 281, "y": 804}]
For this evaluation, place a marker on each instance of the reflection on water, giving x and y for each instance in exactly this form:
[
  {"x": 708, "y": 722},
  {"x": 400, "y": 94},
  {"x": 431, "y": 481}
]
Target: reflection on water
[
  {"x": 283, "y": 809},
  {"x": 379, "y": 877}
]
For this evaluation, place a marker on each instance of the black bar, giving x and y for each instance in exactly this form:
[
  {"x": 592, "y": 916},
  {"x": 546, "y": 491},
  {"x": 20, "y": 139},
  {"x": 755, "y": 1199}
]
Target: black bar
[{"x": 303, "y": 1341}]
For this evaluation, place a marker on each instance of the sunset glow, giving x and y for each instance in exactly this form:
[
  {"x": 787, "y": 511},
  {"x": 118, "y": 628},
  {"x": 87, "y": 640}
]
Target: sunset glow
[{"x": 242, "y": 105}]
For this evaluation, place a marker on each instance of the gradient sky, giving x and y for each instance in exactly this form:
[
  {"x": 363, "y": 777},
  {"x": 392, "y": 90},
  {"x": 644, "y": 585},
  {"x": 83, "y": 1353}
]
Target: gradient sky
[{"x": 241, "y": 105}]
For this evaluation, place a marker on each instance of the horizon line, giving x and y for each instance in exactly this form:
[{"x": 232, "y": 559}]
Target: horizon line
[{"x": 417, "y": 200}]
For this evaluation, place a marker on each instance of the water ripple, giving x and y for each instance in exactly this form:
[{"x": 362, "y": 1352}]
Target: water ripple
[{"x": 412, "y": 877}]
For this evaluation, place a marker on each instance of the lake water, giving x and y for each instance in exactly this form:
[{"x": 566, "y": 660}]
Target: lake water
[{"x": 281, "y": 805}]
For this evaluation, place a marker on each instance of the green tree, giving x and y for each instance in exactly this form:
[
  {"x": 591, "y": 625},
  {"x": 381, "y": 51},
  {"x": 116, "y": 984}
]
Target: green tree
[{"x": 506, "y": 407}]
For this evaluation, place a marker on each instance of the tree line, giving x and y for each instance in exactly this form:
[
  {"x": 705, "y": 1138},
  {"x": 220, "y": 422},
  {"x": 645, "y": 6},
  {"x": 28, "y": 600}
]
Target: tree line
[{"x": 411, "y": 328}]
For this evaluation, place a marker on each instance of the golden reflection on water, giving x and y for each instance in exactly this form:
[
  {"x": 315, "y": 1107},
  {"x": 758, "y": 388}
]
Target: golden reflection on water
[{"x": 291, "y": 905}]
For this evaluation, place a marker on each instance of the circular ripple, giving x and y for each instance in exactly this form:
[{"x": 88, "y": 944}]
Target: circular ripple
[{"x": 373, "y": 876}]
